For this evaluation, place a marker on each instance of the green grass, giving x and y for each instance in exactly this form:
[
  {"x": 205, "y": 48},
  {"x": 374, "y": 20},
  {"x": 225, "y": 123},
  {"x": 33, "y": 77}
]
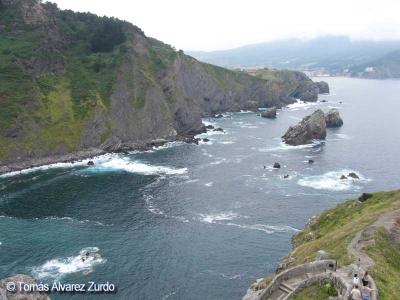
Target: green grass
[
  {"x": 386, "y": 270},
  {"x": 16, "y": 91},
  {"x": 318, "y": 291},
  {"x": 335, "y": 228}
]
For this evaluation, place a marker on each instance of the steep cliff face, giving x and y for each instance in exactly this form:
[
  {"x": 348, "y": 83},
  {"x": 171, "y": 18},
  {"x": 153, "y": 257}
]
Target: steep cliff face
[{"x": 72, "y": 81}]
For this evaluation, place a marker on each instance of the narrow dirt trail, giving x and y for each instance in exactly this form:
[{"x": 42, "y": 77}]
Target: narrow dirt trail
[{"x": 365, "y": 238}]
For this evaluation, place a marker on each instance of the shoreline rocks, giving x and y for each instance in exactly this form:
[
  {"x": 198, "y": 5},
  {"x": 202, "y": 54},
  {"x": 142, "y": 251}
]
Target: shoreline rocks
[
  {"x": 312, "y": 127},
  {"x": 270, "y": 113},
  {"x": 333, "y": 119}
]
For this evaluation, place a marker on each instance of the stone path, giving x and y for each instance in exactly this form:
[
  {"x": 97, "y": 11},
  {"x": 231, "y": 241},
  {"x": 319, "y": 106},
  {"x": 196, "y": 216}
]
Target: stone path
[{"x": 363, "y": 238}]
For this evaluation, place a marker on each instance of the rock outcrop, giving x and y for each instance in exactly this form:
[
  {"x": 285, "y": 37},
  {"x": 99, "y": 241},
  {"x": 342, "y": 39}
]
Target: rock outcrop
[
  {"x": 312, "y": 127},
  {"x": 137, "y": 91},
  {"x": 333, "y": 119},
  {"x": 270, "y": 113},
  {"x": 323, "y": 87},
  {"x": 15, "y": 281}
]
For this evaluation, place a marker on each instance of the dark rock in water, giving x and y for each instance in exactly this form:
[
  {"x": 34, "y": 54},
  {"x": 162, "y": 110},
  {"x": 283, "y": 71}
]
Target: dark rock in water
[
  {"x": 218, "y": 116},
  {"x": 219, "y": 129},
  {"x": 205, "y": 140},
  {"x": 90, "y": 163},
  {"x": 353, "y": 175},
  {"x": 310, "y": 128},
  {"x": 17, "y": 293},
  {"x": 333, "y": 119},
  {"x": 277, "y": 165},
  {"x": 265, "y": 167},
  {"x": 286, "y": 176},
  {"x": 210, "y": 127},
  {"x": 323, "y": 87},
  {"x": 310, "y": 161},
  {"x": 343, "y": 177},
  {"x": 324, "y": 101},
  {"x": 364, "y": 197},
  {"x": 270, "y": 113}
]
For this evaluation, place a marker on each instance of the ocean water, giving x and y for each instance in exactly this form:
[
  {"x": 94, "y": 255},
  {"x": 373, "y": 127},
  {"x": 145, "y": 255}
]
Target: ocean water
[{"x": 197, "y": 222}]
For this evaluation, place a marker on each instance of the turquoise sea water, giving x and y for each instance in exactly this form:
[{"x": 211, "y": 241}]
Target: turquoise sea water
[{"x": 197, "y": 222}]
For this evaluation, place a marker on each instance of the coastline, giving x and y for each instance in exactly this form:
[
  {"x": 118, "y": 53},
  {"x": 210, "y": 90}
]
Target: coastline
[{"x": 90, "y": 153}]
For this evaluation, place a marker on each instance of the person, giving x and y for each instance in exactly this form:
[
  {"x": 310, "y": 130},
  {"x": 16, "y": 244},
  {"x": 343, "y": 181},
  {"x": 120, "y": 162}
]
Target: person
[
  {"x": 355, "y": 293},
  {"x": 365, "y": 279},
  {"x": 356, "y": 280},
  {"x": 366, "y": 291}
]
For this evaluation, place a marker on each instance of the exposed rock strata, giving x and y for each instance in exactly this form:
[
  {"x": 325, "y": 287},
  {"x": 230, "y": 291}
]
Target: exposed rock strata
[
  {"x": 333, "y": 119},
  {"x": 312, "y": 127}
]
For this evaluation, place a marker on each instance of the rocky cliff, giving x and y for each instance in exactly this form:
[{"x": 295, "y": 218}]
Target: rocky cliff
[{"x": 75, "y": 81}]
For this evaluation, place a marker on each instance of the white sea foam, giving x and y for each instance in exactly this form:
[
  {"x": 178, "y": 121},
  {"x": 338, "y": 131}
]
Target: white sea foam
[
  {"x": 265, "y": 228},
  {"x": 331, "y": 181},
  {"x": 59, "y": 267},
  {"x": 108, "y": 162},
  {"x": 113, "y": 162},
  {"x": 44, "y": 168},
  {"x": 209, "y": 184},
  {"x": 300, "y": 105},
  {"x": 285, "y": 147},
  {"x": 72, "y": 220},
  {"x": 227, "y": 142},
  {"x": 342, "y": 136},
  {"x": 219, "y": 161},
  {"x": 150, "y": 206},
  {"x": 214, "y": 218}
]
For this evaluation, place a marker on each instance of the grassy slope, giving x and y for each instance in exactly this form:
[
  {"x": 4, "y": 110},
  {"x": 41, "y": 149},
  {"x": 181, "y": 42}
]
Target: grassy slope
[
  {"x": 316, "y": 292},
  {"x": 51, "y": 110},
  {"x": 386, "y": 270},
  {"x": 335, "y": 228}
]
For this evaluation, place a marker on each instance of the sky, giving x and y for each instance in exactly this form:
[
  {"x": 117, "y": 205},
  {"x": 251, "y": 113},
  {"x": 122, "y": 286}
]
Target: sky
[{"x": 208, "y": 25}]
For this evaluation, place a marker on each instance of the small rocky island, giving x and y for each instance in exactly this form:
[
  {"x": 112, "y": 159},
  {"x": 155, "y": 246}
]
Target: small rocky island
[{"x": 312, "y": 127}]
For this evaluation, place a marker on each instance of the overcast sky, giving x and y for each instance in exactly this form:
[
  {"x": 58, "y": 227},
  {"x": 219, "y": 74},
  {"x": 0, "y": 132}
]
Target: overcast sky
[{"x": 222, "y": 24}]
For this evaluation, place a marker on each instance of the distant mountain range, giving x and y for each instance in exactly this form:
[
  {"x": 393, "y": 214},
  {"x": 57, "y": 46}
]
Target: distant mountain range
[{"x": 330, "y": 55}]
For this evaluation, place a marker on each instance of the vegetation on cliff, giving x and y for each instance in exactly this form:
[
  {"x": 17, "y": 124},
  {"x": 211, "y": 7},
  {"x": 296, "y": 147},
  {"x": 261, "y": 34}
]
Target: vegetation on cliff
[
  {"x": 70, "y": 81},
  {"x": 333, "y": 230}
]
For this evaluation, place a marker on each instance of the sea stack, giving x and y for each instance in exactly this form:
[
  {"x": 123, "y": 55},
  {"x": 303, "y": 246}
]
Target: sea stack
[
  {"x": 323, "y": 87},
  {"x": 312, "y": 127},
  {"x": 333, "y": 118},
  {"x": 270, "y": 113}
]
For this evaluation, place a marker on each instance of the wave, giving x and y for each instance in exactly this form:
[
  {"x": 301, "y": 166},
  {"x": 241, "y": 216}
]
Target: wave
[
  {"x": 300, "y": 105},
  {"x": 46, "y": 167},
  {"x": 106, "y": 162},
  {"x": 285, "y": 147},
  {"x": 59, "y": 267},
  {"x": 331, "y": 181},
  {"x": 113, "y": 162}
]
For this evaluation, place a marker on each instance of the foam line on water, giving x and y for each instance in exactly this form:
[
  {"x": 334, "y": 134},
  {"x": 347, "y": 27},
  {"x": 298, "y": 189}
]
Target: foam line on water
[
  {"x": 117, "y": 162},
  {"x": 57, "y": 268},
  {"x": 331, "y": 181}
]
